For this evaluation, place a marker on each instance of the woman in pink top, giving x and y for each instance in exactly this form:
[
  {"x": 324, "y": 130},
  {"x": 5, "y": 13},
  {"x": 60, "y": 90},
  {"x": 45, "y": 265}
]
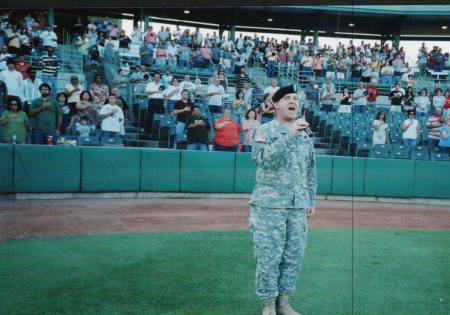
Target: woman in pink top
[
  {"x": 206, "y": 55},
  {"x": 249, "y": 126},
  {"x": 317, "y": 66},
  {"x": 151, "y": 37},
  {"x": 160, "y": 55}
]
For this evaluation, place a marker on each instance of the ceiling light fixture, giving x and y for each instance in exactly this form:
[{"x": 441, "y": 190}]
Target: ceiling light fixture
[
  {"x": 269, "y": 20},
  {"x": 187, "y": 11},
  {"x": 444, "y": 27},
  {"x": 351, "y": 24}
]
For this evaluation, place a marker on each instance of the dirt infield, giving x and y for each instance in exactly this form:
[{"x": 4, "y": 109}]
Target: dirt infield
[{"x": 33, "y": 219}]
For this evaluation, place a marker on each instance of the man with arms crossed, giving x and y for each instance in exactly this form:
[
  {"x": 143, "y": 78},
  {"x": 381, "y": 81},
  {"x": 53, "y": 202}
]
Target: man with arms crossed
[{"x": 283, "y": 197}]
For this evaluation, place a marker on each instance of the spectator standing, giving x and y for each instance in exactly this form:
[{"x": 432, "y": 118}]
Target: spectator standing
[
  {"x": 272, "y": 88},
  {"x": 184, "y": 55},
  {"x": 240, "y": 79},
  {"x": 151, "y": 37},
  {"x": 13, "y": 80},
  {"x": 408, "y": 100},
  {"x": 99, "y": 91},
  {"x": 183, "y": 109},
  {"x": 49, "y": 38},
  {"x": 327, "y": 98},
  {"x": 47, "y": 115},
  {"x": 372, "y": 92},
  {"x": 396, "y": 97},
  {"x": 50, "y": 69},
  {"x": 345, "y": 101},
  {"x": 124, "y": 106},
  {"x": 82, "y": 45},
  {"x": 312, "y": 94},
  {"x": 223, "y": 81},
  {"x": 257, "y": 95},
  {"x": 271, "y": 57},
  {"x": 267, "y": 109},
  {"x": 434, "y": 124},
  {"x": 216, "y": 95},
  {"x": 438, "y": 100},
  {"x": 387, "y": 73},
  {"x": 226, "y": 133},
  {"x": 444, "y": 141},
  {"x": 85, "y": 108},
  {"x": 197, "y": 131},
  {"x": 156, "y": 102},
  {"x": 73, "y": 90},
  {"x": 359, "y": 98},
  {"x": 68, "y": 114},
  {"x": 422, "y": 103},
  {"x": 14, "y": 122},
  {"x": 160, "y": 55},
  {"x": 172, "y": 51},
  {"x": 173, "y": 95},
  {"x": 380, "y": 129},
  {"x": 397, "y": 63},
  {"x": 136, "y": 35},
  {"x": 30, "y": 88},
  {"x": 239, "y": 107},
  {"x": 22, "y": 67},
  {"x": 249, "y": 126},
  {"x": 411, "y": 130},
  {"x": 112, "y": 117},
  {"x": 146, "y": 53},
  {"x": 124, "y": 42}
]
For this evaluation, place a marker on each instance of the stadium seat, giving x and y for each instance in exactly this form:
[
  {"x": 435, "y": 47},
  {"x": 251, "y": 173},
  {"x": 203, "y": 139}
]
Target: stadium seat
[
  {"x": 363, "y": 149},
  {"x": 109, "y": 142},
  {"x": 88, "y": 141},
  {"x": 387, "y": 147},
  {"x": 438, "y": 156},
  {"x": 401, "y": 154},
  {"x": 379, "y": 153},
  {"x": 420, "y": 155}
]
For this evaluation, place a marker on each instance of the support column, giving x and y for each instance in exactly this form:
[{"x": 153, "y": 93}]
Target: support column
[
  {"x": 303, "y": 35},
  {"x": 233, "y": 32},
  {"x": 146, "y": 22},
  {"x": 51, "y": 17},
  {"x": 397, "y": 39},
  {"x": 316, "y": 36}
]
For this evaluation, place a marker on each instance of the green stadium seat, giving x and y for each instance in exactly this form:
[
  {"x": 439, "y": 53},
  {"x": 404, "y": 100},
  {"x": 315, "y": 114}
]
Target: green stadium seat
[
  {"x": 438, "y": 156},
  {"x": 379, "y": 153},
  {"x": 420, "y": 155},
  {"x": 401, "y": 154}
]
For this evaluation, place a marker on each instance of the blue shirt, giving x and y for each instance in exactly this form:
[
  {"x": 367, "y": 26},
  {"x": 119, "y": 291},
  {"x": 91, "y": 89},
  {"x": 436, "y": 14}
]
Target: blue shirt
[
  {"x": 184, "y": 55},
  {"x": 312, "y": 96},
  {"x": 444, "y": 142}
]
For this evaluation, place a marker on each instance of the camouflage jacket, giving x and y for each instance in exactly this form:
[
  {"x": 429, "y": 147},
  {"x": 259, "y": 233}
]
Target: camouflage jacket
[{"x": 285, "y": 168}]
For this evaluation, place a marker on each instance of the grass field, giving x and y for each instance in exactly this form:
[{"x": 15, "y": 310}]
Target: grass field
[{"x": 395, "y": 272}]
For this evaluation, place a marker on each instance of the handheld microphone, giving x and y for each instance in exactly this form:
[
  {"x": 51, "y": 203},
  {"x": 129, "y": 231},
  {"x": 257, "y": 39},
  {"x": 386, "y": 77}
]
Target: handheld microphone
[{"x": 307, "y": 130}]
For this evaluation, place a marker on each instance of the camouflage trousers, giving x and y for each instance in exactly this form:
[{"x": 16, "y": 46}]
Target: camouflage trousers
[{"x": 279, "y": 240}]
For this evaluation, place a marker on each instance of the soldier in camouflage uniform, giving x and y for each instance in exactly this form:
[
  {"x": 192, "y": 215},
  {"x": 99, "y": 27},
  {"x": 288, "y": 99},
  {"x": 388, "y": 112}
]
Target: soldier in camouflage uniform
[{"x": 283, "y": 197}]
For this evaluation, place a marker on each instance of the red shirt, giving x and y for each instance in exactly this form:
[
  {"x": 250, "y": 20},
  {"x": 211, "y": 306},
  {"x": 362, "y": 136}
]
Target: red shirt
[
  {"x": 447, "y": 102},
  {"x": 228, "y": 135},
  {"x": 373, "y": 93},
  {"x": 23, "y": 69}
]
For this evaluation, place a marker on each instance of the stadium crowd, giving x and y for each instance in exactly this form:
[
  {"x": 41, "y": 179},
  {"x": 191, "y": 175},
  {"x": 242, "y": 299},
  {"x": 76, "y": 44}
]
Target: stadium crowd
[{"x": 80, "y": 111}]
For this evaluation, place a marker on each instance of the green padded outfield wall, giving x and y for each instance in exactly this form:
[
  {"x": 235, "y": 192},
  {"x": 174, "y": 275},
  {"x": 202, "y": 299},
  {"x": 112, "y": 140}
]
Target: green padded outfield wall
[
  {"x": 324, "y": 174},
  {"x": 245, "y": 173},
  {"x": 160, "y": 170},
  {"x": 345, "y": 172},
  {"x": 6, "y": 168},
  {"x": 432, "y": 179},
  {"x": 40, "y": 168},
  {"x": 207, "y": 171},
  {"x": 110, "y": 169},
  {"x": 389, "y": 178}
]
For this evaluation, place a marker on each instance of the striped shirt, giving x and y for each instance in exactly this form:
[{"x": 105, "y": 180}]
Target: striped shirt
[
  {"x": 240, "y": 79},
  {"x": 434, "y": 124},
  {"x": 50, "y": 65}
]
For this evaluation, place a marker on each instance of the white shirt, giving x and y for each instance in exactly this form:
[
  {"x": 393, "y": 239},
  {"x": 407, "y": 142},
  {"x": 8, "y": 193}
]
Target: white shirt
[
  {"x": 187, "y": 85},
  {"x": 13, "y": 81},
  {"x": 271, "y": 90},
  {"x": 216, "y": 99},
  {"x": 48, "y": 38},
  {"x": 151, "y": 87},
  {"x": 172, "y": 50},
  {"x": 75, "y": 97},
  {"x": 176, "y": 34},
  {"x": 176, "y": 96},
  {"x": 362, "y": 100},
  {"x": 31, "y": 90},
  {"x": 111, "y": 123},
  {"x": 411, "y": 132}
]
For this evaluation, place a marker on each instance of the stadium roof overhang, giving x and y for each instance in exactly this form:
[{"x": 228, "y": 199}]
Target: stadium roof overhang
[{"x": 410, "y": 21}]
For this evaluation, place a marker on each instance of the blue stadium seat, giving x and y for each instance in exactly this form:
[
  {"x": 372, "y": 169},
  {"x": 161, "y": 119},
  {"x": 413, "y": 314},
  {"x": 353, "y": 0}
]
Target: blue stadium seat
[
  {"x": 401, "y": 154},
  {"x": 379, "y": 153}
]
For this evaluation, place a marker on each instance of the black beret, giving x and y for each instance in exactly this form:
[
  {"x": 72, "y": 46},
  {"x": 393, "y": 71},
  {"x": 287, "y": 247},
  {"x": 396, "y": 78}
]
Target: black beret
[{"x": 283, "y": 91}]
